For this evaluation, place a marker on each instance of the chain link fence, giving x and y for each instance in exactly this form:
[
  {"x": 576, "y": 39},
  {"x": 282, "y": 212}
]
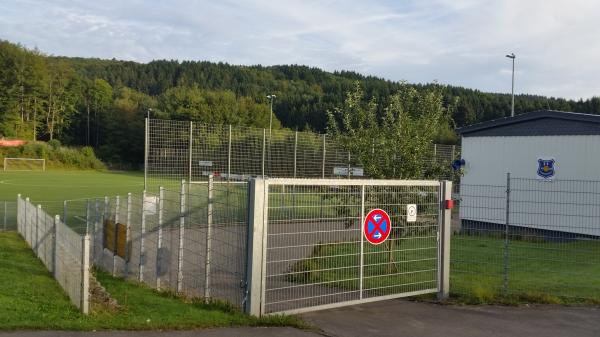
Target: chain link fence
[
  {"x": 190, "y": 240},
  {"x": 528, "y": 238},
  {"x": 177, "y": 150},
  {"x": 64, "y": 252},
  {"x": 8, "y": 216}
]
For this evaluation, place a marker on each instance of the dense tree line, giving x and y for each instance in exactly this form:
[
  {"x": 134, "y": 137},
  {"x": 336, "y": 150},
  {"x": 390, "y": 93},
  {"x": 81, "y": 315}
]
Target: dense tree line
[{"x": 102, "y": 103}]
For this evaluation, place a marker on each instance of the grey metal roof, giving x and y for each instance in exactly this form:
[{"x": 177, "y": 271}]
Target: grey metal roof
[{"x": 536, "y": 123}]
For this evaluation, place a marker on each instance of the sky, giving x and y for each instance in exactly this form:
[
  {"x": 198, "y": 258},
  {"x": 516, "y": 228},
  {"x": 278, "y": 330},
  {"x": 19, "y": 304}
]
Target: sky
[{"x": 457, "y": 42}]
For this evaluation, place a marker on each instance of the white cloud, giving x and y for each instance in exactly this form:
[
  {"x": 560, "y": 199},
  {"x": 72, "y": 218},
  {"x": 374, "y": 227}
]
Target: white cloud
[{"x": 460, "y": 42}]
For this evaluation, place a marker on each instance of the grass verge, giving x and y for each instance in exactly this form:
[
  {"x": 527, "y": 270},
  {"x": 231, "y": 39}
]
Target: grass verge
[{"x": 31, "y": 299}]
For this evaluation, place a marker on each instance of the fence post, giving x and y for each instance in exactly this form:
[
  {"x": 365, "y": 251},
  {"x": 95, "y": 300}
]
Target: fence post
[
  {"x": 5, "y": 216},
  {"x": 295, "y": 152},
  {"x": 55, "y": 246},
  {"x": 87, "y": 216},
  {"x": 229, "y": 155},
  {"x": 146, "y": 146},
  {"x": 506, "y": 241},
  {"x": 19, "y": 220},
  {"x": 105, "y": 216},
  {"x": 85, "y": 274},
  {"x": 95, "y": 235},
  {"x": 257, "y": 230},
  {"x": 264, "y": 144},
  {"x": 324, "y": 156},
  {"x": 362, "y": 238},
  {"x": 181, "y": 236},
  {"x": 348, "y": 164},
  {"x": 64, "y": 218},
  {"x": 190, "y": 151},
  {"x": 115, "y": 238},
  {"x": 209, "y": 221},
  {"x": 445, "y": 221},
  {"x": 127, "y": 234},
  {"x": 37, "y": 225},
  {"x": 161, "y": 197},
  {"x": 142, "y": 233}
]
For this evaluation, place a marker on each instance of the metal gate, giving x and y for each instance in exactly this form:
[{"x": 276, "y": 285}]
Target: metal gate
[{"x": 307, "y": 250}]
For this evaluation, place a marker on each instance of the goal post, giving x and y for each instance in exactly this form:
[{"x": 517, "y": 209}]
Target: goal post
[{"x": 24, "y": 164}]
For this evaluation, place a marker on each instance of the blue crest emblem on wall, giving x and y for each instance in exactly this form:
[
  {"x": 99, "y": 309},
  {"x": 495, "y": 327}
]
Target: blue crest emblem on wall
[{"x": 546, "y": 168}]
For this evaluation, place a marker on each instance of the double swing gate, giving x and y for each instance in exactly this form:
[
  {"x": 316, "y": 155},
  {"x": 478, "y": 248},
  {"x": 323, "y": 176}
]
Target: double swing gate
[{"x": 307, "y": 250}]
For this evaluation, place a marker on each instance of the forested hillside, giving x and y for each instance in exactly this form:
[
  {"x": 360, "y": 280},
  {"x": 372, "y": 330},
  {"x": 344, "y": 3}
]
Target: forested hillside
[{"x": 102, "y": 103}]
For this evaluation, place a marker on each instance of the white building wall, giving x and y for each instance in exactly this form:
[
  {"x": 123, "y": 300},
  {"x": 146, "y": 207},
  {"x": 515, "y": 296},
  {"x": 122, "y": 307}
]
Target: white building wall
[{"x": 562, "y": 204}]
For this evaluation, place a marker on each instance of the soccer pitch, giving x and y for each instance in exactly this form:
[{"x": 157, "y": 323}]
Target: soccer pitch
[{"x": 56, "y": 186}]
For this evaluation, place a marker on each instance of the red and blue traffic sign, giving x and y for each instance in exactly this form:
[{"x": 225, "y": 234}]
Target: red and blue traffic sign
[{"x": 377, "y": 226}]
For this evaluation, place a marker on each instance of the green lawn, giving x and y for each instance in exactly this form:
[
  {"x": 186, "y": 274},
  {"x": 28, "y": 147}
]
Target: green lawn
[
  {"x": 537, "y": 271},
  {"x": 56, "y": 186},
  {"x": 31, "y": 299}
]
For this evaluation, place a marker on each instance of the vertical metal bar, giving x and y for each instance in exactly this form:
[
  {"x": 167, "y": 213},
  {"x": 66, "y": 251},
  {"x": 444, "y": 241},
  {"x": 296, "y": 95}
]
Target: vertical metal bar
[
  {"x": 506, "y": 240},
  {"x": 105, "y": 217},
  {"x": 142, "y": 234},
  {"x": 26, "y": 228},
  {"x": 254, "y": 261},
  {"x": 181, "y": 236},
  {"x": 324, "y": 156},
  {"x": 95, "y": 236},
  {"x": 64, "y": 219},
  {"x": 116, "y": 238},
  {"x": 87, "y": 216},
  {"x": 55, "y": 246},
  {"x": 146, "y": 143},
  {"x": 348, "y": 165},
  {"x": 263, "y": 151},
  {"x": 19, "y": 220},
  {"x": 85, "y": 274},
  {"x": 444, "y": 230},
  {"x": 161, "y": 198},
  {"x": 5, "y": 215},
  {"x": 38, "y": 210},
  {"x": 127, "y": 235},
  {"x": 229, "y": 155},
  {"x": 190, "y": 148},
  {"x": 295, "y": 153},
  {"x": 209, "y": 222},
  {"x": 362, "y": 239}
]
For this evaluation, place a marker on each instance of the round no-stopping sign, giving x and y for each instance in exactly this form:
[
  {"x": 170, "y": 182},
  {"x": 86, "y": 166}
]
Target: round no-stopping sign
[{"x": 377, "y": 226}]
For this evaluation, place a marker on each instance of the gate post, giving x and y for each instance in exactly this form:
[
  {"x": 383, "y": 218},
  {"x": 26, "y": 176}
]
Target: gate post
[
  {"x": 257, "y": 220},
  {"x": 444, "y": 240}
]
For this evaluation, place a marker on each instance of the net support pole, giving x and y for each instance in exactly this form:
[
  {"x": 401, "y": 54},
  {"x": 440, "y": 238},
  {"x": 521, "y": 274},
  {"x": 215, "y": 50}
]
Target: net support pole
[
  {"x": 323, "y": 162},
  {"x": 161, "y": 198},
  {"x": 190, "y": 151},
  {"x": 229, "y": 155},
  {"x": 182, "y": 209},
  {"x": 142, "y": 237},
  {"x": 146, "y": 144},
  {"x": 209, "y": 224}
]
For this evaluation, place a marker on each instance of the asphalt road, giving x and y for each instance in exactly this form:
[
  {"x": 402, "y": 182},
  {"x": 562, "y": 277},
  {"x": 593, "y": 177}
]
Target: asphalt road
[{"x": 400, "y": 318}]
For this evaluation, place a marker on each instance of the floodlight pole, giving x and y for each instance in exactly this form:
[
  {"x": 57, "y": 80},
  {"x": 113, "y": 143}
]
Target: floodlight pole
[{"x": 512, "y": 108}]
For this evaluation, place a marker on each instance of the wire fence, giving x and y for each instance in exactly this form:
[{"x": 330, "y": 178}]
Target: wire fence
[
  {"x": 177, "y": 150},
  {"x": 190, "y": 240},
  {"x": 64, "y": 252},
  {"x": 8, "y": 215},
  {"x": 528, "y": 238}
]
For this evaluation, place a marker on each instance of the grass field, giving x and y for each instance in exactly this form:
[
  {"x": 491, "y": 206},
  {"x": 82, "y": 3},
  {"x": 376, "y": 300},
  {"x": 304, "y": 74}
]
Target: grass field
[
  {"x": 549, "y": 272},
  {"x": 31, "y": 299},
  {"x": 56, "y": 186}
]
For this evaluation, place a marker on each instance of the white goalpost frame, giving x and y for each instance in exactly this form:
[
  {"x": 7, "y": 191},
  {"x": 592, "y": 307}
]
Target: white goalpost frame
[{"x": 26, "y": 160}]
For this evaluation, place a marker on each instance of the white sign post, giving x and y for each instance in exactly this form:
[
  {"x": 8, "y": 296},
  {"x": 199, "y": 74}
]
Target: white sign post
[{"x": 411, "y": 213}]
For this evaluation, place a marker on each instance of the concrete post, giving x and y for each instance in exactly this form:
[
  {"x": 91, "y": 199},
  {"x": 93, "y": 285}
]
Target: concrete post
[
  {"x": 257, "y": 231},
  {"x": 85, "y": 274},
  {"x": 444, "y": 240},
  {"x": 161, "y": 198},
  {"x": 182, "y": 209},
  {"x": 209, "y": 221}
]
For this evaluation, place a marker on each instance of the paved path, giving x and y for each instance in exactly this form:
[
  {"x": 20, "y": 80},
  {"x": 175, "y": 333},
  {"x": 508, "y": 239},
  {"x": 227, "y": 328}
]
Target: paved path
[{"x": 400, "y": 318}]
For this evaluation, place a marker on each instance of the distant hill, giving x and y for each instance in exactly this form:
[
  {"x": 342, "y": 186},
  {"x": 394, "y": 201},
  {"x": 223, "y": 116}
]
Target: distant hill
[{"x": 52, "y": 97}]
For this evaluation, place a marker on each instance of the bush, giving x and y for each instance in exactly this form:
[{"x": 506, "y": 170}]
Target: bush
[{"x": 56, "y": 156}]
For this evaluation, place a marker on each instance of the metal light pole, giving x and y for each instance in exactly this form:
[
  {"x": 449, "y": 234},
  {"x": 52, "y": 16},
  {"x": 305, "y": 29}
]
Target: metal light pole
[{"x": 512, "y": 108}]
